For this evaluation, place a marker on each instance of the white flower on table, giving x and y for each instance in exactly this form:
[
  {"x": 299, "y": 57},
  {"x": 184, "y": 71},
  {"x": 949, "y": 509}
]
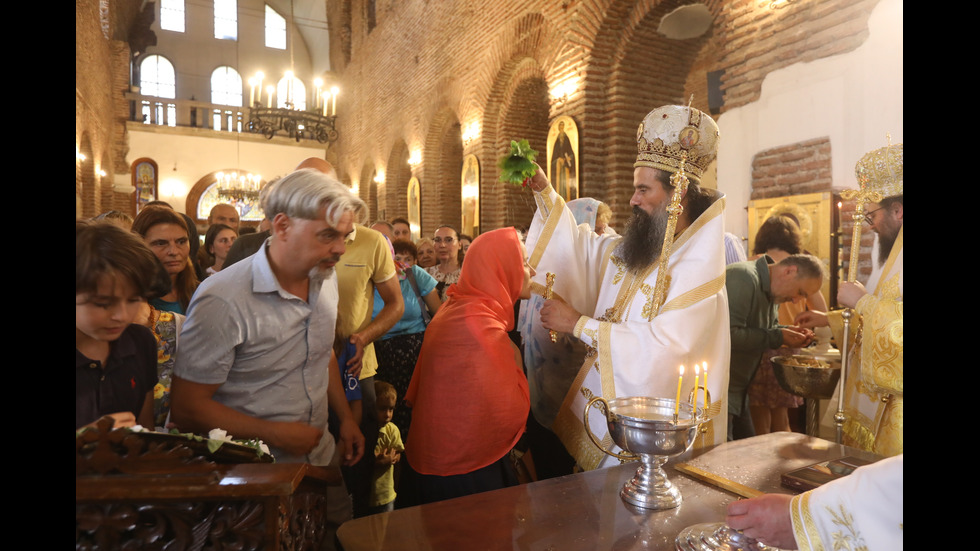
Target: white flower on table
[{"x": 219, "y": 434}]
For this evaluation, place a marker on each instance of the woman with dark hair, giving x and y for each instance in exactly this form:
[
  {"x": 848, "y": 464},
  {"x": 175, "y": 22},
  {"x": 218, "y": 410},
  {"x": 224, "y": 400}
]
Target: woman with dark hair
[
  {"x": 165, "y": 232},
  {"x": 447, "y": 268},
  {"x": 217, "y": 243},
  {"x": 778, "y": 237},
  {"x": 469, "y": 395}
]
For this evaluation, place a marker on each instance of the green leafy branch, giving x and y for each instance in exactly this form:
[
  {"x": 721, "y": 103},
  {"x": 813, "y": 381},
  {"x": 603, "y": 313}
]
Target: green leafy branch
[{"x": 517, "y": 167}]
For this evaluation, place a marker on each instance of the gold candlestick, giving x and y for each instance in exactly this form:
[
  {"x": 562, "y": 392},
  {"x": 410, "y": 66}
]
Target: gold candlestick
[{"x": 548, "y": 292}]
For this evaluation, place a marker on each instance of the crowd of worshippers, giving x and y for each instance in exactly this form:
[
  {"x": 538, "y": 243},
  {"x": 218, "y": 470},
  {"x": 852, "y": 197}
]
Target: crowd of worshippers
[{"x": 431, "y": 367}]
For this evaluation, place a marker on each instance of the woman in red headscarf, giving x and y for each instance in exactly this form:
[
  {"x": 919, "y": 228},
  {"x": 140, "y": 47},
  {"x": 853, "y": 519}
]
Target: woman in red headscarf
[{"x": 469, "y": 394}]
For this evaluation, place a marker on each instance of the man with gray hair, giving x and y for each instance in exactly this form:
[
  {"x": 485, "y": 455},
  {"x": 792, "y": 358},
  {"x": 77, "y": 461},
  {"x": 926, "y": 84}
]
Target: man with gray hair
[
  {"x": 257, "y": 347},
  {"x": 755, "y": 289}
]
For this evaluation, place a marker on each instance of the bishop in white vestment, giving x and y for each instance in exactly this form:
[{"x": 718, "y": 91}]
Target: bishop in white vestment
[{"x": 636, "y": 346}]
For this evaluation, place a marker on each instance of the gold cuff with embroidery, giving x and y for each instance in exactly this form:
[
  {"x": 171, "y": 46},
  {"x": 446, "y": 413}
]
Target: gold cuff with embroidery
[{"x": 579, "y": 326}]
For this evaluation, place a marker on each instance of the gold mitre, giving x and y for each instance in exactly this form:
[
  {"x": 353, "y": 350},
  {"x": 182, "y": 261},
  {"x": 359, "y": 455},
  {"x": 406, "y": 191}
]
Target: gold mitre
[
  {"x": 882, "y": 170},
  {"x": 669, "y": 131}
]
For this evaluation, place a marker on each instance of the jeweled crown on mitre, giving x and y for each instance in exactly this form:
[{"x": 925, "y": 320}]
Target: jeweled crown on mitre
[
  {"x": 882, "y": 170},
  {"x": 669, "y": 131}
]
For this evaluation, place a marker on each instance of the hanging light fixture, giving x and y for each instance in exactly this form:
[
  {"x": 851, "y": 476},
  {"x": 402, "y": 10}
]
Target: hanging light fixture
[
  {"x": 317, "y": 123},
  {"x": 238, "y": 187}
]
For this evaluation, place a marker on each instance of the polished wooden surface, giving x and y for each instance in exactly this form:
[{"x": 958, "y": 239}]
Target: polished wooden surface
[{"x": 584, "y": 511}]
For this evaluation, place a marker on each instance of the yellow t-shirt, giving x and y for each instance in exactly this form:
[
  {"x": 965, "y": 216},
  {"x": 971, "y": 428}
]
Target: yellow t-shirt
[
  {"x": 366, "y": 262},
  {"x": 383, "y": 487}
]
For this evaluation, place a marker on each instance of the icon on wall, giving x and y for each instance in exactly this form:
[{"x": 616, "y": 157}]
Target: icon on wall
[
  {"x": 145, "y": 181},
  {"x": 563, "y": 167}
]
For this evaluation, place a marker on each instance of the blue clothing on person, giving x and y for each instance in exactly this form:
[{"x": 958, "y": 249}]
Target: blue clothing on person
[{"x": 411, "y": 321}]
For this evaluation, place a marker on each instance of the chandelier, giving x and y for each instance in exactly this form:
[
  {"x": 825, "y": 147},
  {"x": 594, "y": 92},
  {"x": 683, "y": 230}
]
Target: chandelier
[
  {"x": 293, "y": 123},
  {"x": 238, "y": 187}
]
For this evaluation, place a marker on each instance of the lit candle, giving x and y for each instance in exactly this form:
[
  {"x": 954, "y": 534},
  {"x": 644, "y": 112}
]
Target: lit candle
[
  {"x": 270, "y": 89},
  {"x": 316, "y": 97},
  {"x": 333, "y": 100},
  {"x": 705, "y": 369},
  {"x": 251, "y": 92},
  {"x": 677, "y": 401},
  {"x": 325, "y": 104},
  {"x": 697, "y": 370}
]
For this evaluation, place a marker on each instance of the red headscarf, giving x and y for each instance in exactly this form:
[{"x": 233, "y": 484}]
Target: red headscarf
[{"x": 469, "y": 394}]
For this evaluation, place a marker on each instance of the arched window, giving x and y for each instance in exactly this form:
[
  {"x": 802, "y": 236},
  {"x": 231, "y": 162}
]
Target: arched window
[
  {"x": 157, "y": 77},
  {"x": 275, "y": 29},
  {"x": 291, "y": 90},
  {"x": 226, "y": 86}
]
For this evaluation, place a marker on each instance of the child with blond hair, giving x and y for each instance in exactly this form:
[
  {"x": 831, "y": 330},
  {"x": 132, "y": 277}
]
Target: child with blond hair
[{"x": 387, "y": 451}]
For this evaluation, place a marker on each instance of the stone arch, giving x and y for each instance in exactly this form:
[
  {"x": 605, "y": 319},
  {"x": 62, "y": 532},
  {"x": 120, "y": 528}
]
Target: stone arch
[
  {"x": 397, "y": 174},
  {"x": 518, "y": 110},
  {"x": 441, "y": 198},
  {"x": 632, "y": 69},
  {"x": 368, "y": 189}
]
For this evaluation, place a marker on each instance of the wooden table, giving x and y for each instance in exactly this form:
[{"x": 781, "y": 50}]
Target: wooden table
[{"x": 584, "y": 511}]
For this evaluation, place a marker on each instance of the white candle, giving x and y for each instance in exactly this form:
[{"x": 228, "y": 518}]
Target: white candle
[
  {"x": 333, "y": 100},
  {"x": 270, "y": 89}
]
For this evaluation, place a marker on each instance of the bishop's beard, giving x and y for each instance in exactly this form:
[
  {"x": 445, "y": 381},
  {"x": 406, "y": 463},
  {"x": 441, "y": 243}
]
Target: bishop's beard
[
  {"x": 886, "y": 240},
  {"x": 643, "y": 239}
]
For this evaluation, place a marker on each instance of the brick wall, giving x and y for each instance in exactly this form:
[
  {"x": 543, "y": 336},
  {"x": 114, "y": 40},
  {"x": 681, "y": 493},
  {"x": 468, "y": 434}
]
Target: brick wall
[
  {"x": 793, "y": 169},
  {"x": 415, "y": 73},
  {"x": 492, "y": 63},
  {"x": 101, "y": 79}
]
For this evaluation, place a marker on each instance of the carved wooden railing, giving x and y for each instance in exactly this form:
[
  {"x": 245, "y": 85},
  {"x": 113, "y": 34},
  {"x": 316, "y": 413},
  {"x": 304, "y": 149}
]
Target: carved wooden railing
[{"x": 147, "y": 493}]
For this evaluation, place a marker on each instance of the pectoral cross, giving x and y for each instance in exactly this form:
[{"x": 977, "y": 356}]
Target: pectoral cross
[{"x": 548, "y": 292}]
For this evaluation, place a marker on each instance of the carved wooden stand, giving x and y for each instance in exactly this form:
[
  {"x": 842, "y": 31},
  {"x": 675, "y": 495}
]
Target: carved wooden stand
[{"x": 134, "y": 493}]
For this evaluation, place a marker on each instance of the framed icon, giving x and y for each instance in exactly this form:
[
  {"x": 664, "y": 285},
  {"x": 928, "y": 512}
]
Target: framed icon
[
  {"x": 563, "y": 169},
  {"x": 146, "y": 182}
]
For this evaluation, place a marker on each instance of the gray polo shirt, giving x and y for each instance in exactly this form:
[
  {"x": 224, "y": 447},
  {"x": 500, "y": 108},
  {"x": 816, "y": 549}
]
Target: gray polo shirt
[{"x": 269, "y": 349}]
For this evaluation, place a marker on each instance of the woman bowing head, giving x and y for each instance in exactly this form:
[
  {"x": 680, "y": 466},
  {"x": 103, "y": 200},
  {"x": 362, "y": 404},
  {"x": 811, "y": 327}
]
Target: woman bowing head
[{"x": 469, "y": 395}]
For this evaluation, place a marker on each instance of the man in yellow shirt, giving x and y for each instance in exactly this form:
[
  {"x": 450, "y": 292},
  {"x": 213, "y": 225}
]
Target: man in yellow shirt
[{"x": 367, "y": 264}]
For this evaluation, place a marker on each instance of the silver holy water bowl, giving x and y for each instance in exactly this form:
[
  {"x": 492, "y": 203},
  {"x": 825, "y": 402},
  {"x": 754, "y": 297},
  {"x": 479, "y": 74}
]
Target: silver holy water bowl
[{"x": 645, "y": 428}]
